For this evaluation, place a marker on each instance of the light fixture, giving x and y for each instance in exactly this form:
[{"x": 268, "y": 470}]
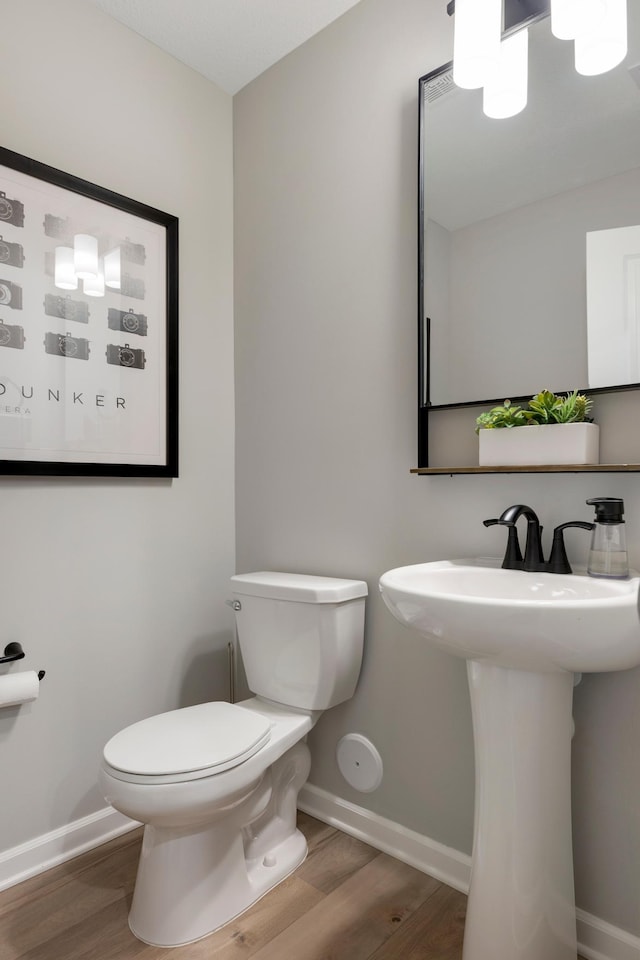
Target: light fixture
[
  {"x": 82, "y": 262},
  {"x": 112, "y": 268},
  {"x": 505, "y": 92},
  {"x": 85, "y": 255},
  {"x": 569, "y": 17},
  {"x": 64, "y": 274},
  {"x": 478, "y": 27},
  {"x": 482, "y": 58},
  {"x": 602, "y": 45},
  {"x": 94, "y": 286}
]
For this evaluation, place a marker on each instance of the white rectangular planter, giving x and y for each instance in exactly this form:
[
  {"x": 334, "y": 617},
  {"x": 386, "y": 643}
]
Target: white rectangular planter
[{"x": 558, "y": 443}]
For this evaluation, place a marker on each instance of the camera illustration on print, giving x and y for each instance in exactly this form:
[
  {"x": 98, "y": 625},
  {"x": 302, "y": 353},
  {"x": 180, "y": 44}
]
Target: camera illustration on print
[
  {"x": 132, "y": 287},
  {"x": 126, "y": 356},
  {"x": 66, "y": 345},
  {"x": 57, "y": 227},
  {"x": 11, "y": 253},
  {"x": 127, "y": 321},
  {"x": 10, "y": 295},
  {"x": 66, "y": 308},
  {"x": 133, "y": 252},
  {"x": 11, "y": 211},
  {"x": 11, "y": 336}
]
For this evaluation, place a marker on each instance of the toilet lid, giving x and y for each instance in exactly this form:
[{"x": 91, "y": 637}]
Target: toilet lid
[{"x": 205, "y": 739}]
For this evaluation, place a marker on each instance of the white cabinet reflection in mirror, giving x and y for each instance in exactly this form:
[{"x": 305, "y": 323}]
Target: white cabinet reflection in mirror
[{"x": 613, "y": 306}]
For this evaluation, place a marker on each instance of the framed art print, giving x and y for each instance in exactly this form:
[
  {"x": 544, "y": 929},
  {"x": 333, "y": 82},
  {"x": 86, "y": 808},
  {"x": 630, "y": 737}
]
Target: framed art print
[{"x": 88, "y": 328}]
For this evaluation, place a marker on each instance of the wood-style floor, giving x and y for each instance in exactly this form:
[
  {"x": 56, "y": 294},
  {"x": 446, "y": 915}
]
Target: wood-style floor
[{"x": 347, "y": 901}]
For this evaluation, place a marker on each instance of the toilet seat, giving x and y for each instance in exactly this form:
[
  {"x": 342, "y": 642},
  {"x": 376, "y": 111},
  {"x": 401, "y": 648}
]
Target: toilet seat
[{"x": 186, "y": 744}]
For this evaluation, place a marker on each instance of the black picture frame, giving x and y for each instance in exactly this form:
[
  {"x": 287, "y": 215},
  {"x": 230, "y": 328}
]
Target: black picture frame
[{"x": 88, "y": 381}]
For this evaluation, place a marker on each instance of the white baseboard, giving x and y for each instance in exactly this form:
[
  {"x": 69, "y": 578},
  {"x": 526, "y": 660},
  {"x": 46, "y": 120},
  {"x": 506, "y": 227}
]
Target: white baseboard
[
  {"x": 37, "y": 855},
  {"x": 597, "y": 940},
  {"x": 445, "y": 864}
]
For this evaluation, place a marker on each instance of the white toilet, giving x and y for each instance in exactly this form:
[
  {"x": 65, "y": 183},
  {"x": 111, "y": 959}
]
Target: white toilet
[{"x": 216, "y": 785}]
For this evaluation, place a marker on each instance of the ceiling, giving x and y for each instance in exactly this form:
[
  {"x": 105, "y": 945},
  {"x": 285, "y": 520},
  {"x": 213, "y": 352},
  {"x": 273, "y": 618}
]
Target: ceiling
[{"x": 228, "y": 41}]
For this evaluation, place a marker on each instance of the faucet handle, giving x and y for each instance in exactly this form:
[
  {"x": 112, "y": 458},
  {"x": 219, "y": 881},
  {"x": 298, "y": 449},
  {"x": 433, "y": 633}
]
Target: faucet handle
[
  {"x": 513, "y": 556},
  {"x": 558, "y": 561}
]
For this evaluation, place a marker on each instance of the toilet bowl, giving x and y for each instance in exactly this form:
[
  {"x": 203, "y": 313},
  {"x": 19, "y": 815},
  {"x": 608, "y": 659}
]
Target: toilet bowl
[{"x": 216, "y": 784}]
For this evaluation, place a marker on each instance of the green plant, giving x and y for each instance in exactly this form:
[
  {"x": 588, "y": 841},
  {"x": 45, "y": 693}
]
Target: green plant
[
  {"x": 550, "y": 408},
  {"x": 507, "y": 415},
  {"x": 545, "y": 408}
]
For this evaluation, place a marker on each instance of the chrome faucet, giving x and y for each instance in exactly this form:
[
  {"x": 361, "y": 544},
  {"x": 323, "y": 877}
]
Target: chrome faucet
[{"x": 533, "y": 556}]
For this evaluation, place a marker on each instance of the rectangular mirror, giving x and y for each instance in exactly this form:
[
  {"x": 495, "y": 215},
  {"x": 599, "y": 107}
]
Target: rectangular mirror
[{"x": 513, "y": 213}]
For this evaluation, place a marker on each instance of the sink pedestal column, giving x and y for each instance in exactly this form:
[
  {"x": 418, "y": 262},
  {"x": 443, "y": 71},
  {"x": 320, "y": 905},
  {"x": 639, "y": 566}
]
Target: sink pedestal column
[{"x": 521, "y": 900}]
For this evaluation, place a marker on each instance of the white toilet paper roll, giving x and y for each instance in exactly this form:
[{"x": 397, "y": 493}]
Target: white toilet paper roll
[{"x": 18, "y": 688}]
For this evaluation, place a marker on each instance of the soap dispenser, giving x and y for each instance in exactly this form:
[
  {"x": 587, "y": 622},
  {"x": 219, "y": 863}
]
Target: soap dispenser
[{"x": 608, "y": 553}]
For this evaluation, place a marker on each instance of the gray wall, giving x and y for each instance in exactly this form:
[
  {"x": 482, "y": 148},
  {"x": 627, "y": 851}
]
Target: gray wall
[
  {"x": 116, "y": 587},
  {"x": 325, "y": 201}
]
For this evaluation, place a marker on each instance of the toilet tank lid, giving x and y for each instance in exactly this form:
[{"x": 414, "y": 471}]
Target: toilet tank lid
[{"x": 300, "y": 587}]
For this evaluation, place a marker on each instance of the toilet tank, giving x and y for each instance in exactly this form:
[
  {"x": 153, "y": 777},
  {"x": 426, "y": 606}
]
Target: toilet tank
[{"x": 301, "y": 636}]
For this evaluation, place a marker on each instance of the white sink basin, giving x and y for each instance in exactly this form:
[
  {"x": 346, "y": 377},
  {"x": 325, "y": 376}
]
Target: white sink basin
[
  {"x": 523, "y": 635},
  {"x": 529, "y": 621}
]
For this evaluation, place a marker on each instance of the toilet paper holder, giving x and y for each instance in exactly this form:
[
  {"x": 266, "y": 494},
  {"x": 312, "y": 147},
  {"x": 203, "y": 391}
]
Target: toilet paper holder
[{"x": 13, "y": 651}]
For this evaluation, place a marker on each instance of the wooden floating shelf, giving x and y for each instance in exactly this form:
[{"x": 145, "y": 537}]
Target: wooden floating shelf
[{"x": 546, "y": 468}]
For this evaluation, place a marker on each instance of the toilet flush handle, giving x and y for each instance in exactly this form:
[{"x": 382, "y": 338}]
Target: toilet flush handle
[{"x": 235, "y": 606}]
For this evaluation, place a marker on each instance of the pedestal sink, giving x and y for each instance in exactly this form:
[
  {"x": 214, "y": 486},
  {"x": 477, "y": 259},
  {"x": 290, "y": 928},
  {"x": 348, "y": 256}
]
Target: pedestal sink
[{"x": 524, "y": 635}]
